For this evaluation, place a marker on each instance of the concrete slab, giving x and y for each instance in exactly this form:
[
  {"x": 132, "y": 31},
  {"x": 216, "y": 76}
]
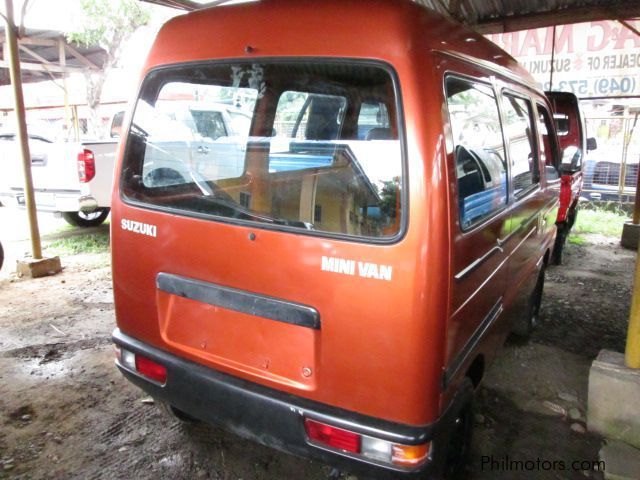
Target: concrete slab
[
  {"x": 38, "y": 268},
  {"x": 630, "y": 236},
  {"x": 613, "y": 406},
  {"x": 621, "y": 461}
]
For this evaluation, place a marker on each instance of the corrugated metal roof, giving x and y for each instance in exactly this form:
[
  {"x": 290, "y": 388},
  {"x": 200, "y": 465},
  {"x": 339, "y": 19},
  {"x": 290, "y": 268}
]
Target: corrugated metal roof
[{"x": 40, "y": 54}]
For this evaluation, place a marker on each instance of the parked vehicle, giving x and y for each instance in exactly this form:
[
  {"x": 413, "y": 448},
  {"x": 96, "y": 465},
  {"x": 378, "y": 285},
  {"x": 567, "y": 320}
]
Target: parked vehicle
[
  {"x": 571, "y": 130},
  {"x": 604, "y": 179},
  {"x": 339, "y": 289},
  {"x": 73, "y": 179}
]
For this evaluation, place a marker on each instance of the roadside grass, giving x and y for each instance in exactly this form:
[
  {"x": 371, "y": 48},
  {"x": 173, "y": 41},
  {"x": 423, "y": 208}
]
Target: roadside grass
[
  {"x": 89, "y": 243},
  {"x": 70, "y": 228},
  {"x": 598, "y": 220},
  {"x": 574, "y": 239}
]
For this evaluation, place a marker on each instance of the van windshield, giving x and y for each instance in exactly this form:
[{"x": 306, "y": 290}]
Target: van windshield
[{"x": 312, "y": 146}]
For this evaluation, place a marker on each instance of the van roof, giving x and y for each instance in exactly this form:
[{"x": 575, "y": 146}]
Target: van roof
[{"x": 386, "y": 30}]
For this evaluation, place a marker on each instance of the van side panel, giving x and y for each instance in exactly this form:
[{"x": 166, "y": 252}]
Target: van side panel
[
  {"x": 495, "y": 262},
  {"x": 478, "y": 264}
]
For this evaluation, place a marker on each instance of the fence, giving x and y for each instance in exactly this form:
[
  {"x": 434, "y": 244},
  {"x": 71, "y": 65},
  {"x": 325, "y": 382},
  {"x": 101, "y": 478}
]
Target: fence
[{"x": 611, "y": 171}]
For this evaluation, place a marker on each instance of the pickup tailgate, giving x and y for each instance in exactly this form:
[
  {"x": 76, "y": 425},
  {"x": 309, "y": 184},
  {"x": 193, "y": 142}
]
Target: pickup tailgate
[
  {"x": 51, "y": 165},
  {"x": 99, "y": 187}
]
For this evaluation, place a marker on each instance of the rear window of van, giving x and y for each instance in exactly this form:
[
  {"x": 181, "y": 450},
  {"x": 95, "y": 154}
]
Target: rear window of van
[{"x": 302, "y": 145}]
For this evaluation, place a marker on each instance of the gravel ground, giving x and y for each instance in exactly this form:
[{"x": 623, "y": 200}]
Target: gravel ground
[{"x": 65, "y": 411}]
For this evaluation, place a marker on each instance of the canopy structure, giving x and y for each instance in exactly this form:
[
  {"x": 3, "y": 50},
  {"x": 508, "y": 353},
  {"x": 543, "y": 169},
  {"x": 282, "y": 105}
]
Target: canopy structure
[
  {"x": 496, "y": 16},
  {"x": 47, "y": 55}
]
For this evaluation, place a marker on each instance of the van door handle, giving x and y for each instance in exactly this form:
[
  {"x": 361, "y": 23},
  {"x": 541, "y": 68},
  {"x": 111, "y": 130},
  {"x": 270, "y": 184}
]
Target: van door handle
[{"x": 203, "y": 150}]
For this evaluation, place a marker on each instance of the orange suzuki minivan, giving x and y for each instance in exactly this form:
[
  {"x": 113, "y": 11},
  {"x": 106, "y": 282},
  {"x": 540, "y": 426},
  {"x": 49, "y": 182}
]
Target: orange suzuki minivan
[{"x": 327, "y": 217}]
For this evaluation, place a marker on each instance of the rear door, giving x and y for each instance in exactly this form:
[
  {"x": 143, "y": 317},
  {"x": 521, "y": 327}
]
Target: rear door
[
  {"x": 286, "y": 271},
  {"x": 568, "y": 118},
  {"x": 571, "y": 134}
]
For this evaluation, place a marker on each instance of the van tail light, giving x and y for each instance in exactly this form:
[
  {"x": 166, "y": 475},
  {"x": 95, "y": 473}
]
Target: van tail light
[
  {"x": 151, "y": 369},
  {"x": 86, "y": 166},
  {"x": 408, "y": 456},
  {"x": 143, "y": 365},
  {"x": 332, "y": 436}
]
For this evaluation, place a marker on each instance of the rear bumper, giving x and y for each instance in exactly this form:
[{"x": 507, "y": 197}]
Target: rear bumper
[
  {"x": 48, "y": 200},
  {"x": 272, "y": 417}
]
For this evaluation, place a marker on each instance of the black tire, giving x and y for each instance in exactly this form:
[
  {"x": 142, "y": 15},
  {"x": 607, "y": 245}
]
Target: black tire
[
  {"x": 572, "y": 216},
  {"x": 561, "y": 240},
  {"x": 81, "y": 219},
  {"x": 458, "y": 445},
  {"x": 527, "y": 325},
  {"x": 1, "y": 255},
  {"x": 175, "y": 414}
]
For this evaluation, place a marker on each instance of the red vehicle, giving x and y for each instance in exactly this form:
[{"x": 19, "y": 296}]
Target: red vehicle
[
  {"x": 338, "y": 290},
  {"x": 571, "y": 131}
]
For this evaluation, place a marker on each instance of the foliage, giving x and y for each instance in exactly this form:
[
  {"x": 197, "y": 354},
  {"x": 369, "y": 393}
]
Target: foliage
[
  {"x": 597, "y": 220},
  {"x": 389, "y": 198},
  {"x": 576, "y": 240},
  {"x": 108, "y": 24}
]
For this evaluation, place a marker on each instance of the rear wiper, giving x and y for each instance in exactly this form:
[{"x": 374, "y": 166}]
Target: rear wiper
[{"x": 246, "y": 214}]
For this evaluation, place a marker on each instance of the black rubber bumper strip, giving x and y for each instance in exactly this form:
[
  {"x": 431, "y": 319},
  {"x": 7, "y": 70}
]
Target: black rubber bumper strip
[
  {"x": 239, "y": 300},
  {"x": 267, "y": 416}
]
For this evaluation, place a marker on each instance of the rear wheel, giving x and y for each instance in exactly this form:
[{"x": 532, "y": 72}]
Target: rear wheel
[
  {"x": 572, "y": 216},
  {"x": 459, "y": 439},
  {"x": 525, "y": 327},
  {"x": 176, "y": 414},
  {"x": 561, "y": 238},
  {"x": 1, "y": 256},
  {"x": 82, "y": 219}
]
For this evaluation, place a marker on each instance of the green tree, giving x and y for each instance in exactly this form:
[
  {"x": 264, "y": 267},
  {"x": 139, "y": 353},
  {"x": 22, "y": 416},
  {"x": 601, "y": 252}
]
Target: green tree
[{"x": 107, "y": 24}]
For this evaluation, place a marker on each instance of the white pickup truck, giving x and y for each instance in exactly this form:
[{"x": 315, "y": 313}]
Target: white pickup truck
[
  {"x": 72, "y": 179},
  {"x": 75, "y": 179}
]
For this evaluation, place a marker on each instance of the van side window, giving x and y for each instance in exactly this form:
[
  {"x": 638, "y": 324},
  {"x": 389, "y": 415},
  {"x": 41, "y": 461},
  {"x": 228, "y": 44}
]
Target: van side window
[
  {"x": 481, "y": 169},
  {"x": 548, "y": 147},
  {"x": 209, "y": 124},
  {"x": 308, "y": 116},
  {"x": 525, "y": 171},
  {"x": 373, "y": 122},
  {"x": 562, "y": 124}
]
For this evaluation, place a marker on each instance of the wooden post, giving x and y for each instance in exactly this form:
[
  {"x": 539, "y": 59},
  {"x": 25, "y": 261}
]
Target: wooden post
[
  {"x": 16, "y": 84},
  {"x": 632, "y": 352}
]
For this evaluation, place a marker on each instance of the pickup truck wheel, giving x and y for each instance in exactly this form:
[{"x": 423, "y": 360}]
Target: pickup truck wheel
[
  {"x": 82, "y": 219},
  {"x": 524, "y": 327},
  {"x": 1, "y": 256}
]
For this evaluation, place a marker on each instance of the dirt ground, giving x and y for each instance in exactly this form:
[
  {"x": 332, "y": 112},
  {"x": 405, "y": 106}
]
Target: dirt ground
[{"x": 66, "y": 412}]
